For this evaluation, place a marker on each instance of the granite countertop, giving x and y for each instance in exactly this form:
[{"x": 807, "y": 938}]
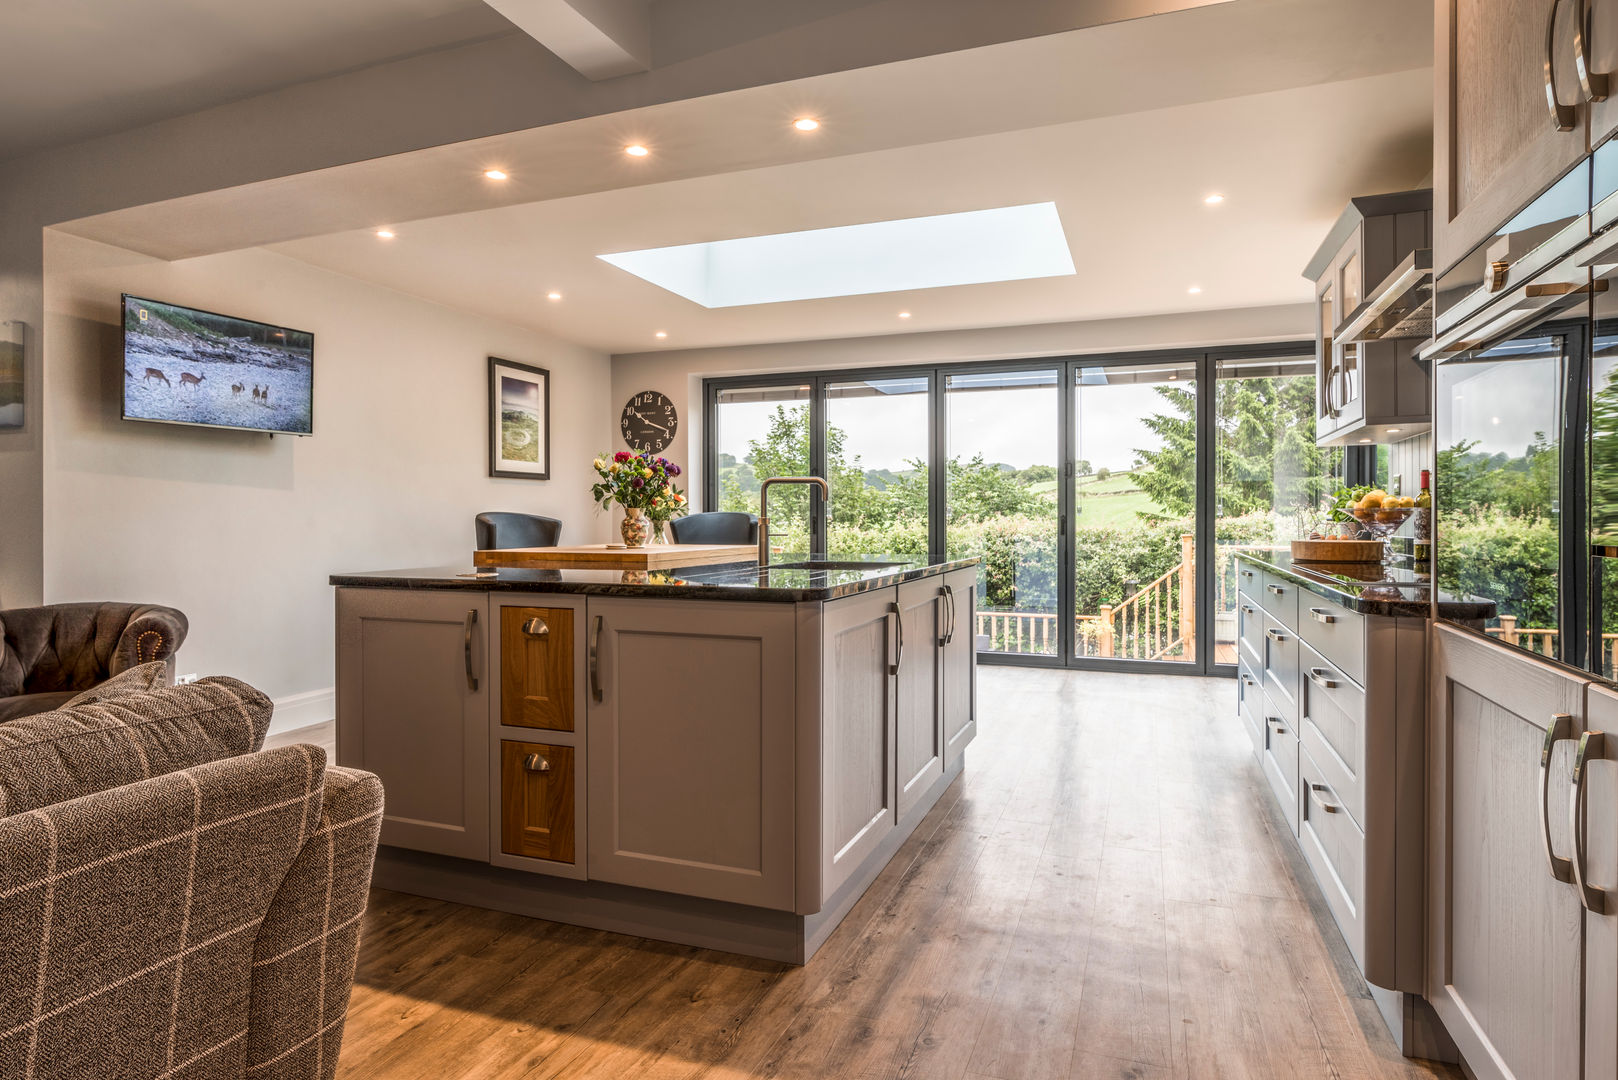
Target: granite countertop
[
  {"x": 1389, "y": 591},
  {"x": 721, "y": 581}
]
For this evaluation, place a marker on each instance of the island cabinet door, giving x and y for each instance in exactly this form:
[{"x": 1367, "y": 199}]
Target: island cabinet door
[
  {"x": 537, "y": 662},
  {"x": 1504, "y": 921},
  {"x": 690, "y": 739},
  {"x": 413, "y": 707},
  {"x": 960, "y": 663},
  {"x": 920, "y": 656}
]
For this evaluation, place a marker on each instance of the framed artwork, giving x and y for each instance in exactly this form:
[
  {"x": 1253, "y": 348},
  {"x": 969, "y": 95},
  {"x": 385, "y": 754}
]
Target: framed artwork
[
  {"x": 11, "y": 396},
  {"x": 519, "y": 420}
]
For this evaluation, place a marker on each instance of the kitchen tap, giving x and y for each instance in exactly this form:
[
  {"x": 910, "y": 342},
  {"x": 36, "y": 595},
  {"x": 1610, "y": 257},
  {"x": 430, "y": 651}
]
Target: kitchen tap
[{"x": 764, "y": 509}]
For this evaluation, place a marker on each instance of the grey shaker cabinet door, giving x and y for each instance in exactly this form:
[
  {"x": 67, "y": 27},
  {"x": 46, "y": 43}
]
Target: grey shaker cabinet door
[
  {"x": 960, "y": 663},
  {"x": 1600, "y": 870},
  {"x": 413, "y": 707},
  {"x": 692, "y": 718},
  {"x": 921, "y": 687},
  {"x": 1504, "y": 932}
]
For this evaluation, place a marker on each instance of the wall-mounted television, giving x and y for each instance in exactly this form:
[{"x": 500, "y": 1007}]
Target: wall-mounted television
[{"x": 186, "y": 366}]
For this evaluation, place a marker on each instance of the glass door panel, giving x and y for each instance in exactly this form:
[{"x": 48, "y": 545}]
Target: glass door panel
[
  {"x": 1603, "y": 464},
  {"x": 1001, "y": 502},
  {"x": 1134, "y": 438},
  {"x": 760, "y": 432},
  {"x": 877, "y": 438}
]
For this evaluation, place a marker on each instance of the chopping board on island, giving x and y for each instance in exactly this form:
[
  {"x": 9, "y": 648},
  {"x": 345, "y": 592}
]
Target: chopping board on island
[{"x": 603, "y": 557}]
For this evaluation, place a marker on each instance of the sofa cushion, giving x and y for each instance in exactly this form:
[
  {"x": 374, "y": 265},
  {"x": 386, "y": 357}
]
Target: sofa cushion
[
  {"x": 21, "y": 705},
  {"x": 135, "y": 680},
  {"x": 76, "y": 751}
]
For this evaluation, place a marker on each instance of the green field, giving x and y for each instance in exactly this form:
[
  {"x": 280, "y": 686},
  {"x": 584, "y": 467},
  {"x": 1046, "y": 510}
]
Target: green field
[
  {"x": 1115, "y": 501},
  {"x": 519, "y": 436}
]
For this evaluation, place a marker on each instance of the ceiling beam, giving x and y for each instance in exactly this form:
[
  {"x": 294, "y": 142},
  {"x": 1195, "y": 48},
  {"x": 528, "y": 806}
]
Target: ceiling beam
[{"x": 600, "y": 39}]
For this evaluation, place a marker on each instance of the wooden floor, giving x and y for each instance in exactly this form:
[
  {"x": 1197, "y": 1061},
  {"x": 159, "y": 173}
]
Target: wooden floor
[{"x": 1102, "y": 894}]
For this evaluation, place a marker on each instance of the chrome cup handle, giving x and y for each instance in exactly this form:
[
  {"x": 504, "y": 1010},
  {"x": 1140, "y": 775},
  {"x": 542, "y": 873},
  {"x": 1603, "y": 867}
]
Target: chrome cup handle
[{"x": 1561, "y": 730}]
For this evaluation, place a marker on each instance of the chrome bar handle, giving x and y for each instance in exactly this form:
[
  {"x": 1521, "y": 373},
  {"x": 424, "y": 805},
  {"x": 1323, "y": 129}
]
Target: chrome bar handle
[
  {"x": 1322, "y": 678},
  {"x": 1278, "y": 590},
  {"x": 595, "y": 660},
  {"x": 949, "y": 620},
  {"x": 1593, "y": 746},
  {"x": 899, "y": 622},
  {"x": 471, "y": 623},
  {"x": 954, "y": 612},
  {"x": 1322, "y": 615},
  {"x": 1563, "y": 117},
  {"x": 1593, "y": 83},
  {"x": 1329, "y": 807},
  {"x": 1275, "y": 635},
  {"x": 1561, "y": 730}
]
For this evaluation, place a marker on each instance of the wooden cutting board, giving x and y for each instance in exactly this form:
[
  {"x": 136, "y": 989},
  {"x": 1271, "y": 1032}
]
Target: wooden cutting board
[
  {"x": 602, "y": 557},
  {"x": 1337, "y": 551}
]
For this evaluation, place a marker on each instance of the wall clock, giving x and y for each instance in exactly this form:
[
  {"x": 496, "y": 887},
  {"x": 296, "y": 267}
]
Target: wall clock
[{"x": 649, "y": 422}]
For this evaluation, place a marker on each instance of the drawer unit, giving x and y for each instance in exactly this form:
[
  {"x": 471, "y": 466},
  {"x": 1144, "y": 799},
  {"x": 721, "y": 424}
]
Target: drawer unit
[
  {"x": 1334, "y": 847},
  {"x": 1279, "y": 758},
  {"x": 1335, "y": 632},
  {"x": 536, "y": 801},
  {"x": 1250, "y": 704},
  {"x": 1249, "y": 580},
  {"x": 1280, "y": 598},
  {"x": 1332, "y": 728},
  {"x": 536, "y": 667},
  {"x": 1250, "y": 631},
  {"x": 1281, "y": 666}
]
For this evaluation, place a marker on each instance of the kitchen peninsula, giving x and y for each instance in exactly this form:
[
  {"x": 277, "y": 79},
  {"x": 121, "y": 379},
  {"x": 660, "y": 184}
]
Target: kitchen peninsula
[{"x": 713, "y": 755}]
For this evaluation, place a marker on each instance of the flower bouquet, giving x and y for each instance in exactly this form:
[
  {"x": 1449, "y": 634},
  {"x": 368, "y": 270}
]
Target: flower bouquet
[{"x": 643, "y": 484}]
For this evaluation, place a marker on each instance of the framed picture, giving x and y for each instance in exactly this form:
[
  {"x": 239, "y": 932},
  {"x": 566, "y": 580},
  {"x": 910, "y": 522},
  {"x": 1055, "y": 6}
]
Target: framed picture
[
  {"x": 11, "y": 399},
  {"x": 519, "y": 420}
]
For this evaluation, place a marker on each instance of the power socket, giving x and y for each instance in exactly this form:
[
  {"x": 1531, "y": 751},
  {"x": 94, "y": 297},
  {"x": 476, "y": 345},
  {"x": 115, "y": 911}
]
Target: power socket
[{"x": 181, "y": 680}]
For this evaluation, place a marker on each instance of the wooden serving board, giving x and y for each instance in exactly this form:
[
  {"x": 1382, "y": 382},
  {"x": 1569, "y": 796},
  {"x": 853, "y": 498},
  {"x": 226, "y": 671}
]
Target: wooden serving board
[
  {"x": 602, "y": 557},
  {"x": 1338, "y": 551}
]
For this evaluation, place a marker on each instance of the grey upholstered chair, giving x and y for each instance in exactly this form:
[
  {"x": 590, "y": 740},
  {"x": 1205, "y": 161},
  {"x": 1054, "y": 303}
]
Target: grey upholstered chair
[
  {"x": 48, "y": 654},
  {"x": 496, "y": 529},
  {"x": 719, "y": 527}
]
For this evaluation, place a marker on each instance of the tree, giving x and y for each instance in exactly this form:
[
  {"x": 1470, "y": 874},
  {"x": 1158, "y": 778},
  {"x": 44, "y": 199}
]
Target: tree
[
  {"x": 1083, "y": 468},
  {"x": 1103, "y": 473}
]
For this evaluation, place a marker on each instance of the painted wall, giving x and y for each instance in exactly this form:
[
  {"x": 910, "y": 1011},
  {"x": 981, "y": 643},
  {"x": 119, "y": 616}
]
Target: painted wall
[
  {"x": 240, "y": 530},
  {"x": 679, "y": 373}
]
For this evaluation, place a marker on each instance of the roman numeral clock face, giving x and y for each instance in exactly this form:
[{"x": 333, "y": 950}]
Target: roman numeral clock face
[{"x": 649, "y": 422}]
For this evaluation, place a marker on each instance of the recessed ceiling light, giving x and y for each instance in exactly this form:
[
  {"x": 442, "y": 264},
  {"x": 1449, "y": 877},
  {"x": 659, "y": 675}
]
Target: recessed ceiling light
[
  {"x": 662, "y": 334},
  {"x": 1393, "y": 431},
  {"x": 636, "y": 150},
  {"x": 386, "y": 234},
  {"x": 1365, "y": 440},
  {"x": 1214, "y": 200},
  {"x": 904, "y": 314},
  {"x": 496, "y": 174},
  {"x": 553, "y": 296},
  {"x": 1194, "y": 290},
  {"x": 806, "y": 123}
]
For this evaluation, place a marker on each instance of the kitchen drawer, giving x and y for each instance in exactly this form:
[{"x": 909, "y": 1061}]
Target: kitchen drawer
[
  {"x": 536, "y": 801},
  {"x": 1250, "y": 631},
  {"x": 1249, "y": 579},
  {"x": 1280, "y": 598},
  {"x": 1281, "y": 666},
  {"x": 1279, "y": 758},
  {"x": 1334, "y": 847},
  {"x": 1335, "y": 632},
  {"x": 536, "y": 667},
  {"x": 1250, "y": 704},
  {"x": 1332, "y": 728}
]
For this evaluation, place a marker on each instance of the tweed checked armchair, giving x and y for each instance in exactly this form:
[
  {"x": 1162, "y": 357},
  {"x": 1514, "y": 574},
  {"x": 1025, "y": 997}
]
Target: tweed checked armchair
[
  {"x": 197, "y": 924},
  {"x": 48, "y": 654}
]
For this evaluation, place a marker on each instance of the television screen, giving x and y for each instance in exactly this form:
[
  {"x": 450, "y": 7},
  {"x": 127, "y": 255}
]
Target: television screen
[{"x": 184, "y": 366}]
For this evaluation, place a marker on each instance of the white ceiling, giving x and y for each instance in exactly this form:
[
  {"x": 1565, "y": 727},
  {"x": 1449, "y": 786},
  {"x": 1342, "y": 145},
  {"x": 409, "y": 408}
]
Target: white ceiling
[{"x": 74, "y": 69}]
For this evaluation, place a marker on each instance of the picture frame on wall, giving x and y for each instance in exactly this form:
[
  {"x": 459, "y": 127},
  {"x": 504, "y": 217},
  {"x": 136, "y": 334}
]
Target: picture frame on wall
[
  {"x": 11, "y": 376},
  {"x": 519, "y": 420}
]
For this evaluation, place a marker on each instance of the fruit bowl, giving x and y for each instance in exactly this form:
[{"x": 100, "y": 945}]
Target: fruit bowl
[{"x": 1382, "y": 520}]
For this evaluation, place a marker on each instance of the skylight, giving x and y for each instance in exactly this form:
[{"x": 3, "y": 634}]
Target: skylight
[{"x": 1011, "y": 243}]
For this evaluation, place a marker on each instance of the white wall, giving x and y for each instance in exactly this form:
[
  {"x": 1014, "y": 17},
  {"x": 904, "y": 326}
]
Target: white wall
[
  {"x": 240, "y": 530},
  {"x": 679, "y": 373}
]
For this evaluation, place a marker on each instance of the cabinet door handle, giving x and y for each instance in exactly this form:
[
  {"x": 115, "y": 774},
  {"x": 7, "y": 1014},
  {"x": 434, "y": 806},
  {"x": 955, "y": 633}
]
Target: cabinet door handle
[
  {"x": 1275, "y": 722},
  {"x": 1322, "y": 678},
  {"x": 899, "y": 622},
  {"x": 949, "y": 619},
  {"x": 1322, "y": 615},
  {"x": 536, "y": 763},
  {"x": 471, "y": 676},
  {"x": 536, "y": 627},
  {"x": 1278, "y": 590},
  {"x": 1248, "y": 679},
  {"x": 595, "y": 660},
  {"x": 1563, "y": 117},
  {"x": 1275, "y": 635},
  {"x": 1593, "y": 746},
  {"x": 954, "y": 612},
  {"x": 1330, "y": 807},
  {"x": 1593, "y": 83},
  {"x": 1247, "y": 573},
  {"x": 1246, "y": 610},
  {"x": 1561, "y": 730}
]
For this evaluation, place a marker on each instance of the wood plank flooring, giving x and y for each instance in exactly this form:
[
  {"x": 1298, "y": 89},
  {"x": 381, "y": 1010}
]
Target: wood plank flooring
[{"x": 1103, "y": 894}]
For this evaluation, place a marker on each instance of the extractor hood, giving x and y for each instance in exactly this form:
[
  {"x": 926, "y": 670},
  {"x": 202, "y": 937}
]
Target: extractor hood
[{"x": 1401, "y": 307}]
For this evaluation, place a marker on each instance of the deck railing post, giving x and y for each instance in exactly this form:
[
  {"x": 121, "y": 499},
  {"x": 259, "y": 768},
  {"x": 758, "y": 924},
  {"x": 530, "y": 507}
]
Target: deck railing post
[
  {"x": 1104, "y": 637},
  {"x": 1188, "y": 592}
]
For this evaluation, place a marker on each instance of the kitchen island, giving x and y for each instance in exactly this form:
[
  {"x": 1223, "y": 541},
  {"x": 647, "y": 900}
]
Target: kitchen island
[{"x": 712, "y": 755}]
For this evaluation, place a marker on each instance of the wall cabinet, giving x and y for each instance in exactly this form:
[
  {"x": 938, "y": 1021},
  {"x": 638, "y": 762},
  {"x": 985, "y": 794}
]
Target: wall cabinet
[{"x": 413, "y": 703}]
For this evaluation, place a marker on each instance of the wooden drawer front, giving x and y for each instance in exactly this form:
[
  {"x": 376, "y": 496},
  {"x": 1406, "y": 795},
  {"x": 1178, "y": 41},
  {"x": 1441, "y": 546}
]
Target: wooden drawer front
[
  {"x": 1250, "y": 704},
  {"x": 1335, "y": 632},
  {"x": 1281, "y": 667},
  {"x": 1334, "y": 847},
  {"x": 1332, "y": 728},
  {"x": 1249, "y": 580},
  {"x": 536, "y": 800},
  {"x": 1280, "y": 598},
  {"x": 1280, "y": 759},
  {"x": 536, "y": 668},
  {"x": 1250, "y": 631}
]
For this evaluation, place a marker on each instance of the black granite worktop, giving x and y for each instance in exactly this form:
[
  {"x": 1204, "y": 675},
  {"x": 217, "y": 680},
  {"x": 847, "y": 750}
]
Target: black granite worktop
[
  {"x": 1390, "y": 591},
  {"x": 721, "y": 581}
]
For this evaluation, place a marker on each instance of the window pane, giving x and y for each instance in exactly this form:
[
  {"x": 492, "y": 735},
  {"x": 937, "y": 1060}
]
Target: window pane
[
  {"x": 1134, "y": 501},
  {"x": 876, "y": 463},
  {"x": 760, "y": 432},
  {"x": 1002, "y": 502}
]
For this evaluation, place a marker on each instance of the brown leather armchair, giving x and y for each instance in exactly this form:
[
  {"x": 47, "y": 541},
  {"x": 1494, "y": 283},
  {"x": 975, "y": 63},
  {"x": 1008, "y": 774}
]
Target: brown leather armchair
[{"x": 49, "y": 654}]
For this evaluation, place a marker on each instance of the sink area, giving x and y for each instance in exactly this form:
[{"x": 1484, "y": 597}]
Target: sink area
[{"x": 827, "y": 564}]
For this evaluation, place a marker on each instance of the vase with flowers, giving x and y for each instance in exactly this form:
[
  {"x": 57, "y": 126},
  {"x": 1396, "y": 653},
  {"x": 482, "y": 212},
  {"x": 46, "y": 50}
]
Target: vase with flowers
[{"x": 643, "y": 484}]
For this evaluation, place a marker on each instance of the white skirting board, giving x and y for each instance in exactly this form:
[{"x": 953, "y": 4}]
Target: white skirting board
[{"x": 301, "y": 710}]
